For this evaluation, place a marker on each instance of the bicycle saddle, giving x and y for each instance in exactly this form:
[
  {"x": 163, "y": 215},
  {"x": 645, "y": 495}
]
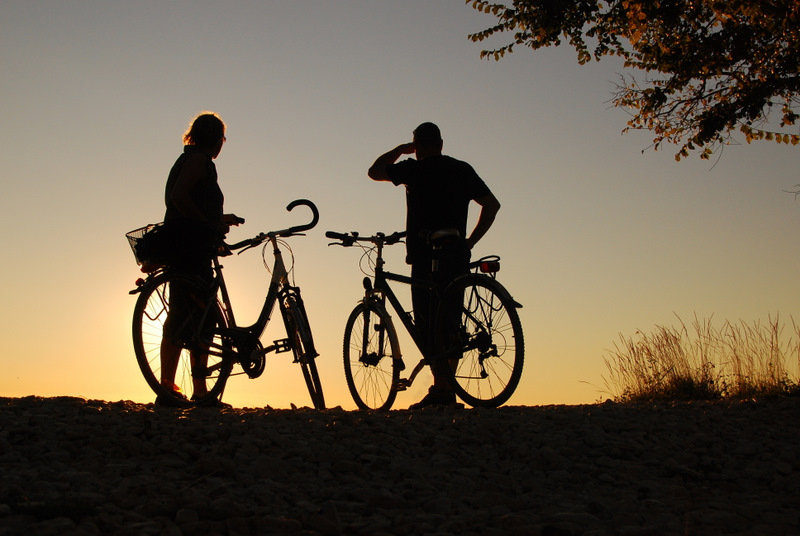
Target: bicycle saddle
[{"x": 444, "y": 236}]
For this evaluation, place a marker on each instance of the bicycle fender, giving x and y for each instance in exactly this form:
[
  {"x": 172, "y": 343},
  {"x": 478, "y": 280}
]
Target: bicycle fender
[{"x": 494, "y": 282}]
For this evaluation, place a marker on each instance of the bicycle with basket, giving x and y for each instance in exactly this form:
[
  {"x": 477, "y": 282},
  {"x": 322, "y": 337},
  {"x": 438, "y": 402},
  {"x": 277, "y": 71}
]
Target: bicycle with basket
[{"x": 228, "y": 343}]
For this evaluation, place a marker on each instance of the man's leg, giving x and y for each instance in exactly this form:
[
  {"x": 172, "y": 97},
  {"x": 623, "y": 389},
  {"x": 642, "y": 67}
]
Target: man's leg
[{"x": 422, "y": 299}]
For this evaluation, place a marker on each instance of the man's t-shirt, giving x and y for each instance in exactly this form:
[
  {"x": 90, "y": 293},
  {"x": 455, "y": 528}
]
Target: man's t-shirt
[{"x": 438, "y": 192}]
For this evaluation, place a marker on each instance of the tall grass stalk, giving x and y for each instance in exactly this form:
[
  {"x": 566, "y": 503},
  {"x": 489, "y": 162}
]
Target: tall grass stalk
[{"x": 734, "y": 361}]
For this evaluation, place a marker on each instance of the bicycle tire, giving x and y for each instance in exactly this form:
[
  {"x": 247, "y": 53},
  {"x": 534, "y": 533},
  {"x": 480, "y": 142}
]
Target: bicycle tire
[
  {"x": 150, "y": 313},
  {"x": 299, "y": 330},
  {"x": 371, "y": 357},
  {"x": 485, "y": 368}
]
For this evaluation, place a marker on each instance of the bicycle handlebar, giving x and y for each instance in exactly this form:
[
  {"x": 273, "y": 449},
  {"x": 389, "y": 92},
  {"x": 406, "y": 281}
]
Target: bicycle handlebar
[
  {"x": 300, "y": 228},
  {"x": 348, "y": 239},
  {"x": 290, "y": 231}
]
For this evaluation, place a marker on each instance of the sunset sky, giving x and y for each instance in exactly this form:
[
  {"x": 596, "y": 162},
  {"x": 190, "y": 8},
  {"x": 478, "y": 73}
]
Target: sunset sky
[{"x": 599, "y": 235}]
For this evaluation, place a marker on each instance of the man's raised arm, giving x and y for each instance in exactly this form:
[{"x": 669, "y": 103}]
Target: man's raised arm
[{"x": 377, "y": 171}]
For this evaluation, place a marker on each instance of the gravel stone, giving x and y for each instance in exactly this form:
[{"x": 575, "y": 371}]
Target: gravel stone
[{"x": 70, "y": 466}]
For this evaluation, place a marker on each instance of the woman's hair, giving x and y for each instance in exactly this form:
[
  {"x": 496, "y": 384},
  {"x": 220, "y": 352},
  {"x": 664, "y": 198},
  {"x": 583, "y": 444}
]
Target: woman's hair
[{"x": 205, "y": 131}]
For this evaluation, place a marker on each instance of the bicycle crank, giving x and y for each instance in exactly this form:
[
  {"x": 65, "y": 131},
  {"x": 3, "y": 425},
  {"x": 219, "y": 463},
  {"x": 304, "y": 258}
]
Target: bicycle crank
[{"x": 254, "y": 362}]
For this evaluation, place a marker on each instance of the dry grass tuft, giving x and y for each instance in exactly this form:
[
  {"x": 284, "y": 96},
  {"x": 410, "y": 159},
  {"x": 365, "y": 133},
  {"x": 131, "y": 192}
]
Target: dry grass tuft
[{"x": 705, "y": 362}]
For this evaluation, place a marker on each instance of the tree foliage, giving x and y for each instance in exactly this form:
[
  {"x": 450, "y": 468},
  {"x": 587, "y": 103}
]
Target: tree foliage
[{"x": 710, "y": 67}]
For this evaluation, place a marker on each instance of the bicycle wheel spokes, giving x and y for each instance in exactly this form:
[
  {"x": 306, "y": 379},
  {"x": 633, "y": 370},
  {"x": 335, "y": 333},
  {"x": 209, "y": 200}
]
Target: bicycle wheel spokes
[
  {"x": 370, "y": 345},
  {"x": 487, "y": 365},
  {"x": 150, "y": 316}
]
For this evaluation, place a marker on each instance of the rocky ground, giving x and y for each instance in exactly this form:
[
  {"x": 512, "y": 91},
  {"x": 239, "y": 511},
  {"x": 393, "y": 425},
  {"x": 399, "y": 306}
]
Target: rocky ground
[{"x": 74, "y": 466}]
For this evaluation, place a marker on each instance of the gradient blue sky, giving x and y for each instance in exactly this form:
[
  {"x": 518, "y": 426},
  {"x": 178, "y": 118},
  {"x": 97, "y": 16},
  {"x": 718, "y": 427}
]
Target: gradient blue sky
[{"x": 597, "y": 237}]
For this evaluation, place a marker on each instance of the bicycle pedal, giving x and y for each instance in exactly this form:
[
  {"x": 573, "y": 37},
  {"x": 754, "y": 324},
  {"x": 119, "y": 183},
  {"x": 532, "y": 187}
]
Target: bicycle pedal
[
  {"x": 280, "y": 346},
  {"x": 402, "y": 384}
]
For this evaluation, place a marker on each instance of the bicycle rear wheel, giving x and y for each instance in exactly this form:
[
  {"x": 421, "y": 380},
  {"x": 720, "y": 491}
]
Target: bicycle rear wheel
[
  {"x": 479, "y": 327},
  {"x": 150, "y": 314},
  {"x": 371, "y": 357},
  {"x": 299, "y": 331}
]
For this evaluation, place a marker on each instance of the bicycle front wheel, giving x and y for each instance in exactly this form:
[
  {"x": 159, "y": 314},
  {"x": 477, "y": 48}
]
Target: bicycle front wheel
[
  {"x": 156, "y": 301},
  {"x": 371, "y": 357},
  {"x": 299, "y": 331},
  {"x": 479, "y": 330}
]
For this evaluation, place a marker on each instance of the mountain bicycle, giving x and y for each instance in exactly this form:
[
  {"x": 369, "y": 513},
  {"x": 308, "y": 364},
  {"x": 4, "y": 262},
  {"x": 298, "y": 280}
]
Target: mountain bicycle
[
  {"x": 481, "y": 353},
  {"x": 212, "y": 327}
]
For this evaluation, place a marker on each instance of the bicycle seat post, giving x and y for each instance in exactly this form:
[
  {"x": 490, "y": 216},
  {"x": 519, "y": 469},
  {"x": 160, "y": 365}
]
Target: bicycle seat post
[{"x": 439, "y": 240}]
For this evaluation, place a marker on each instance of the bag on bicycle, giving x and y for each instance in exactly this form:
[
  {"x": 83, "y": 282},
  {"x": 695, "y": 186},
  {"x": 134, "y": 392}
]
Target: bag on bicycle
[{"x": 172, "y": 242}]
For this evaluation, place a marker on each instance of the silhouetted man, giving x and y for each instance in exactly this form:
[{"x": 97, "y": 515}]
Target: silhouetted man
[{"x": 439, "y": 190}]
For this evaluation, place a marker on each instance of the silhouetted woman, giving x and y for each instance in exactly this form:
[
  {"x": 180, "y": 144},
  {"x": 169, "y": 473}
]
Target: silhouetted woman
[{"x": 197, "y": 224}]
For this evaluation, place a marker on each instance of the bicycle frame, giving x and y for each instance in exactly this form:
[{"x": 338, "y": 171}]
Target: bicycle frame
[
  {"x": 279, "y": 285},
  {"x": 279, "y": 288},
  {"x": 472, "y": 337},
  {"x": 380, "y": 285},
  {"x": 379, "y": 290}
]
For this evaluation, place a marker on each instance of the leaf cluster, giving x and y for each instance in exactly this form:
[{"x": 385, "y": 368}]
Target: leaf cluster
[{"x": 711, "y": 67}]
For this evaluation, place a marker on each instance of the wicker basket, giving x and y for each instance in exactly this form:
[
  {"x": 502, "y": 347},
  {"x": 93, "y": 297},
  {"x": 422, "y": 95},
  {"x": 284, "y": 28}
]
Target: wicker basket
[{"x": 136, "y": 236}]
